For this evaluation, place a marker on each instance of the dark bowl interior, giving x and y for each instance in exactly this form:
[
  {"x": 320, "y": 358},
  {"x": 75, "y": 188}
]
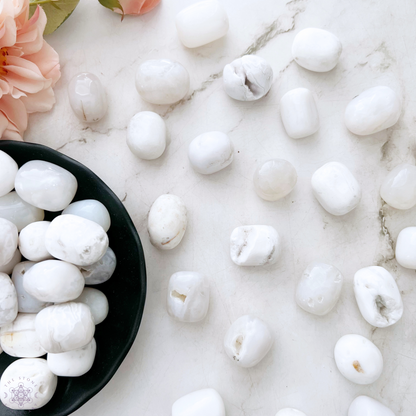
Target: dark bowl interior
[{"x": 126, "y": 290}]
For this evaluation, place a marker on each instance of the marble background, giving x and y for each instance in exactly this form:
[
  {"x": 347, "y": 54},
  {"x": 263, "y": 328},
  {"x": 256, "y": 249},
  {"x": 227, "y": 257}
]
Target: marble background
[{"x": 170, "y": 359}]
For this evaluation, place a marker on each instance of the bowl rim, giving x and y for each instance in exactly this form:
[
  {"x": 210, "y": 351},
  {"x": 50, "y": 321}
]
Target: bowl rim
[{"x": 4, "y": 144}]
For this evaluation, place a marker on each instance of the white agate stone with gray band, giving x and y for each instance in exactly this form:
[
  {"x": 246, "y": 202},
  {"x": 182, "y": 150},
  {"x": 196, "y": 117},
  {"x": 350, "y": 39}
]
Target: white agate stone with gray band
[
  {"x": 248, "y": 341},
  {"x": 8, "y": 170},
  {"x": 100, "y": 271},
  {"x": 19, "y": 212},
  {"x": 27, "y": 374},
  {"x": 188, "y": 296},
  {"x": 247, "y": 78},
  {"x": 254, "y": 245},
  {"x": 87, "y": 97},
  {"x": 19, "y": 338},
  {"x": 64, "y": 327},
  {"x": 92, "y": 210},
  {"x": 96, "y": 301},
  {"x": 73, "y": 363}
]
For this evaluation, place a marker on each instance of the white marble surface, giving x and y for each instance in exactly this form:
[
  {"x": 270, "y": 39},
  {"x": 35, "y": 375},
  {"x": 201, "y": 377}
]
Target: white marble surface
[{"x": 170, "y": 359}]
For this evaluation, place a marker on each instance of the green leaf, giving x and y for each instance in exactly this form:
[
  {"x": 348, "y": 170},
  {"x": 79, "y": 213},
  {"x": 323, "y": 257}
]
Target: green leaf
[
  {"x": 57, "y": 11},
  {"x": 112, "y": 4}
]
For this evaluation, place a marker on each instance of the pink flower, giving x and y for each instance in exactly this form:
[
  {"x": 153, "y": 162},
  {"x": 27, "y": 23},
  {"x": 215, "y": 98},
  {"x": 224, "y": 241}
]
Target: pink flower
[
  {"x": 137, "y": 6},
  {"x": 29, "y": 67}
]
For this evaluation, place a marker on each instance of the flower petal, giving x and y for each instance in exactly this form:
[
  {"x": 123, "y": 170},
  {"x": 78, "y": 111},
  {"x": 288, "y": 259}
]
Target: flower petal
[
  {"x": 30, "y": 36},
  {"x": 15, "y": 112},
  {"x": 8, "y": 33},
  {"x": 39, "y": 102}
]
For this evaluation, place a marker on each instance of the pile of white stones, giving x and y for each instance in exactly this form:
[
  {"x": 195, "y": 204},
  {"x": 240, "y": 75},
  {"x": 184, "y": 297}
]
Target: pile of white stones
[
  {"x": 45, "y": 307},
  {"x": 249, "y": 78}
]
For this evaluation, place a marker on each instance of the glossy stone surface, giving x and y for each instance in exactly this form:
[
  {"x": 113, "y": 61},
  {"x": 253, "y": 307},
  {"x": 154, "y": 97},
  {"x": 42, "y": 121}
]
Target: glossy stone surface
[
  {"x": 336, "y": 188},
  {"x": 96, "y": 301},
  {"x": 248, "y": 341},
  {"x": 248, "y": 78},
  {"x": 290, "y": 412},
  {"x": 254, "y": 245},
  {"x": 319, "y": 288},
  {"x": 210, "y": 152},
  {"x": 8, "y": 300},
  {"x": 399, "y": 187},
  {"x": 358, "y": 359},
  {"x": 45, "y": 185},
  {"x": 316, "y": 49},
  {"x": 19, "y": 212},
  {"x": 24, "y": 374},
  {"x": 8, "y": 170},
  {"x": 32, "y": 241},
  {"x": 367, "y": 406},
  {"x": 202, "y": 23},
  {"x": 374, "y": 110},
  {"x": 65, "y": 327},
  {"x": 8, "y": 241},
  {"x": 406, "y": 248},
  {"x": 100, "y": 271},
  {"x": 378, "y": 296},
  {"x": 147, "y": 135},
  {"x": 76, "y": 240},
  {"x": 274, "y": 179},
  {"x": 54, "y": 281},
  {"x": 87, "y": 97},
  {"x": 299, "y": 113},
  {"x": 188, "y": 296},
  {"x": 167, "y": 222},
  {"x": 73, "y": 363},
  {"x": 162, "y": 81},
  {"x": 19, "y": 338},
  {"x": 26, "y": 303},
  {"x": 8, "y": 268},
  {"x": 92, "y": 210},
  {"x": 206, "y": 402}
]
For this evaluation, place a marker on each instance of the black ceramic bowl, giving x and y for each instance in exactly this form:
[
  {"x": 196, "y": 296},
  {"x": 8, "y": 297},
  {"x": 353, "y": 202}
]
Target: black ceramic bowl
[{"x": 126, "y": 290}]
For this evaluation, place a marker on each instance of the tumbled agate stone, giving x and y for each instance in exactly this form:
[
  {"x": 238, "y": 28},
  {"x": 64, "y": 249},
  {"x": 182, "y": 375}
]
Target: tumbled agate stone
[
  {"x": 8, "y": 170},
  {"x": 92, "y": 210}
]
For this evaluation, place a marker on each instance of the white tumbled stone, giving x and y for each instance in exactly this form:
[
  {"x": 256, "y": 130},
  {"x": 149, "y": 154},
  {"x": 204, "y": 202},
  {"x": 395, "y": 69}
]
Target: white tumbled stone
[
  {"x": 247, "y": 78},
  {"x": 19, "y": 212},
  {"x": 8, "y": 241},
  {"x": 32, "y": 241},
  {"x": 19, "y": 338},
  {"x": 299, "y": 113},
  {"x": 406, "y": 248},
  {"x": 64, "y": 327},
  {"x": 8, "y": 170},
  {"x": 336, "y": 188},
  {"x": 147, "y": 135},
  {"x": 399, "y": 187},
  {"x": 162, "y": 81},
  {"x": 205, "y": 402},
  {"x": 210, "y": 152},
  {"x": 87, "y": 97},
  {"x": 100, "y": 271},
  {"x": 247, "y": 341},
  {"x": 24, "y": 376},
  {"x": 202, "y": 23},
  {"x": 188, "y": 296},
  {"x": 290, "y": 412},
  {"x": 316, "y": 49},
  {"x": 73, "y": 363},
  {"x": 319, "y": 288},
  {"x": 358, "y": 359},
  {"x": 254, "y": 245},
  {"x": 92, "y": 210},
  {"x": 167, "y": 222},
  {"x": 8, "y": 267},
  {"x": 274, "y": 179},
  {"x": 8, "y": 300},
  {"x": 96, "y": 301},
  {"x": 76, "y": 240},
  {"x": 54, "y": 281},
  {"x": 367, "y": 406},
  {"x": 374, "y": 110},
  {"x": 45, "y": 185},
  {"x": 26, "y": 303},
  {"x": 378, "y": 296}
]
